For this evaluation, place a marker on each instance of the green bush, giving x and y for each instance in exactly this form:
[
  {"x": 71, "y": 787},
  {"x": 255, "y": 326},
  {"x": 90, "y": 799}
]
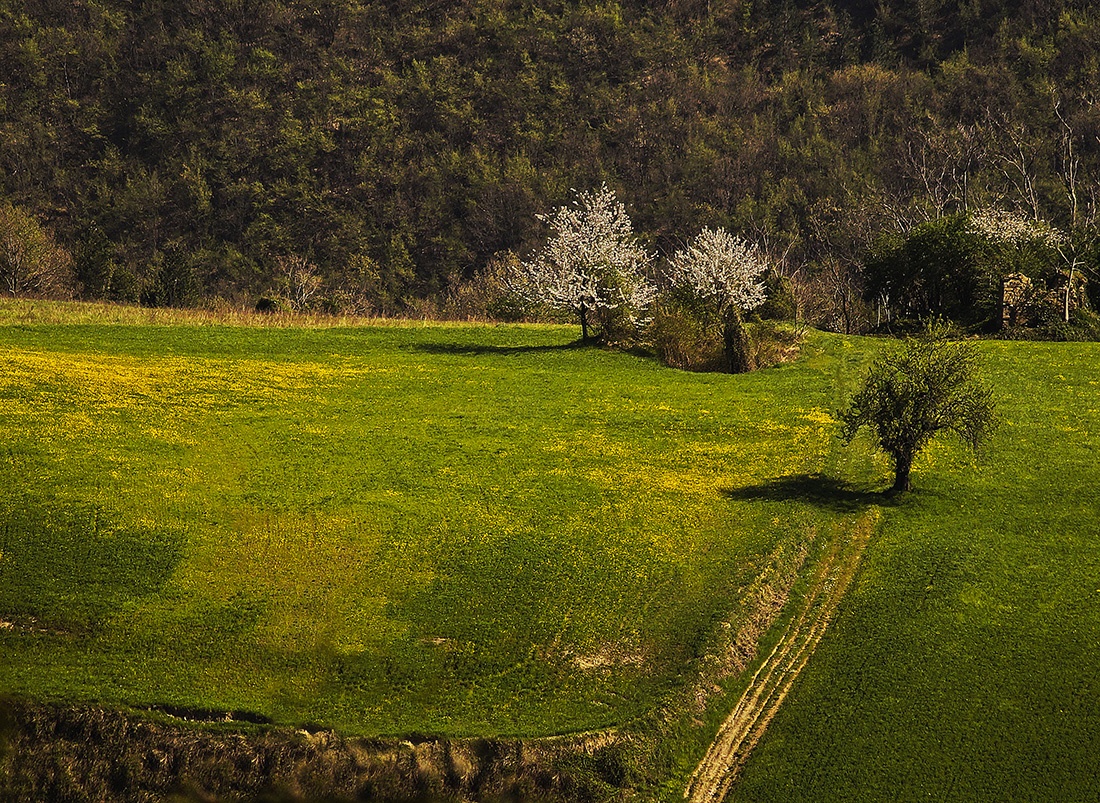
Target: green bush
[
  {"x": 125, "y": 286},
  {"x": 272, "y": 304},
  {"x": 954, "y": 267},
  {"x": 934, "y": 269},
  {"x": 779, "y": 303},
  {"x": 1083, "y": 325},
  {"x": 680, "y": 339},
  {"x": 175, "y": 282}
]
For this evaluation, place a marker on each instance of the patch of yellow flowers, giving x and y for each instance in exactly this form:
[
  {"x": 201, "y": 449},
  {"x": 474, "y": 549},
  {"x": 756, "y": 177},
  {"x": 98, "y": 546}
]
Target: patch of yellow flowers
[{"x": 63, "y": 394}]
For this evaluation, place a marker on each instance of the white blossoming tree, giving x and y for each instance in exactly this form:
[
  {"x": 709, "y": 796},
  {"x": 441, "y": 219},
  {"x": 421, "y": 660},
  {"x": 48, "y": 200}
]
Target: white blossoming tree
[
  {"x": 1010, "y": 228},
  {"x": 592, "y": 264},
  {"x": 722, "y": 272},
  {"x": 1016, "y": 233}
]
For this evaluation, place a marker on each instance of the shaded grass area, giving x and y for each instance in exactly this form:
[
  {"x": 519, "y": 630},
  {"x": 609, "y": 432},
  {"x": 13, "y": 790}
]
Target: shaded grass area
[
  {"x": 76, "y": 566},
  {"x": 461, "y": 530},
  {"x": 963, "y": 666},
  {"x": 828, "y": 493}
]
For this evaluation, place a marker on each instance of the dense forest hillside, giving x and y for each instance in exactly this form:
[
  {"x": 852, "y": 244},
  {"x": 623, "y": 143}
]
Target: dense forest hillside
[{"x": 185, "y": 148}]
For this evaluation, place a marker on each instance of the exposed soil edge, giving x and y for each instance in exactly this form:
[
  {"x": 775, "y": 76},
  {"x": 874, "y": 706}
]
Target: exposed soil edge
[
  {"x": 771, "y": 683},
  {"x": 87, "y": 753}
]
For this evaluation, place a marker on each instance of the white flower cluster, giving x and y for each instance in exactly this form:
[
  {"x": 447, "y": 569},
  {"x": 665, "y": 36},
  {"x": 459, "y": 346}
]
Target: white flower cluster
[
  {"x": 592, "y": 263},
  {"x": 592, "y": 259},
  {"x": 721, "y": 268},
  {"x": 1011, "y": 228}
]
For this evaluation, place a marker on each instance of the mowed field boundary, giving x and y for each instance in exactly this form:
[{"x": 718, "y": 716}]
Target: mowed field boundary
[{"x": 772, "y": 681}]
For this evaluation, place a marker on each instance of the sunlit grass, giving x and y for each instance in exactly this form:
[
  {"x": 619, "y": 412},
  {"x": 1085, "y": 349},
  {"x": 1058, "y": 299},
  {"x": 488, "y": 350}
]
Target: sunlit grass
[
  {"x": 484, "y": 529},
  {"x": 459, "y": 529},
  {"x": 963, "y": 666}
]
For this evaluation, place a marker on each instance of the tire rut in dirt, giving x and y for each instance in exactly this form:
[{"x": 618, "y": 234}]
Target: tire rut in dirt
[{"x": 771, "y": 683}]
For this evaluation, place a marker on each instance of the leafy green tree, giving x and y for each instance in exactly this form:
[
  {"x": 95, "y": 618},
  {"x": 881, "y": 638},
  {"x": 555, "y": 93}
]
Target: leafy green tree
[
  {"x": 953, "y": 266},
  {"x": 926, "y": 386},
  {"x": 930, "y": 270},
  {"x": 174, "y": 281},
  {"x": 422, "y": 137},
  {"x": 94, "y": 262}
]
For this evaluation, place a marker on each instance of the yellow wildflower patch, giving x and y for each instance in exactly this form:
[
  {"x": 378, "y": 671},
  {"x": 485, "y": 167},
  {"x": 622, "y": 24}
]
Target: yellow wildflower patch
[{"x": 819, "y": 416}]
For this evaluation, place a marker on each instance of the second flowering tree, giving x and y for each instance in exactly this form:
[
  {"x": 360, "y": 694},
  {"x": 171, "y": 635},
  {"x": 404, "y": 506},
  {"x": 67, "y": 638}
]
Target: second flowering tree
[{"x": 722, "y": 273}]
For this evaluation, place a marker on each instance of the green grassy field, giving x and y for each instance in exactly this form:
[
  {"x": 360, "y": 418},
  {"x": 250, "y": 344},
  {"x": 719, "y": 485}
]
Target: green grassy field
[
  {"x": 485, "y": 530},
  {"x": 460, "y": 530},
  {"x": 964, "y": 663}
]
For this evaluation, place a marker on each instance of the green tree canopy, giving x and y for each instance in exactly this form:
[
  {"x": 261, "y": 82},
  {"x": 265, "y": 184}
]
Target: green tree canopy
[
  {"x": 925, "y": 386},
  {"x": 420, "y": 139}
]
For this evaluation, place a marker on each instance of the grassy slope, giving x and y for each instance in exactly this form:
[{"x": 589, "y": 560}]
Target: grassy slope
[
  {"x": 457, "y": 529},
  {"x": 964, "y": 664},
  {"x": 435, "y": 529}
]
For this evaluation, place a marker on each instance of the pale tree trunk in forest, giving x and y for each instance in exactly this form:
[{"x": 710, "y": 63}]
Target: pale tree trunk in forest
[
  {"x": 1069, "y": 287},
  {"x": 1018, "y": 162}
]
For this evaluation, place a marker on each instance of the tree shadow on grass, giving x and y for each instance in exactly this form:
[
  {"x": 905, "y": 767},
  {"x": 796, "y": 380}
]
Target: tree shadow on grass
[
  {"x": 816, "y": 489},
  {"x": 468, "y": 349}
]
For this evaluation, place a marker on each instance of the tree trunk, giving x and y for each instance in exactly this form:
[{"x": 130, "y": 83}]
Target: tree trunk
[
  {"x": 584, "y": 324},
  {"x": 735, "y": 343},
  {"x": 1069, "y": 287},
  {"x": 902, "y": 466}
]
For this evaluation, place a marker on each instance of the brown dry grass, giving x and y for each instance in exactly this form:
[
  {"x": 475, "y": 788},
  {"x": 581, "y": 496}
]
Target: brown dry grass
[
  {"x": 217, "y": 313},
  {"x": 87, "y": 753}
]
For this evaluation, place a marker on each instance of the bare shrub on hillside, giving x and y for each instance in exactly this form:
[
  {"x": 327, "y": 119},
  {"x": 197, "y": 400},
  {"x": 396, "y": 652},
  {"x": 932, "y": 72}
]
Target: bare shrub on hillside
[
  {"x": 773, "y": 343},
  {"x": 299, "y": 281},
  {"x": 31, "y": 261},
  {"x": 681, "y": 340},
  {"x": 491, "y": 294},
  {"x": 831, "y": 297}
]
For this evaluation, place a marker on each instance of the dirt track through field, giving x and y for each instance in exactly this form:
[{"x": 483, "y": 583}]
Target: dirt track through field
[{"x": 743, "y": 728}]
